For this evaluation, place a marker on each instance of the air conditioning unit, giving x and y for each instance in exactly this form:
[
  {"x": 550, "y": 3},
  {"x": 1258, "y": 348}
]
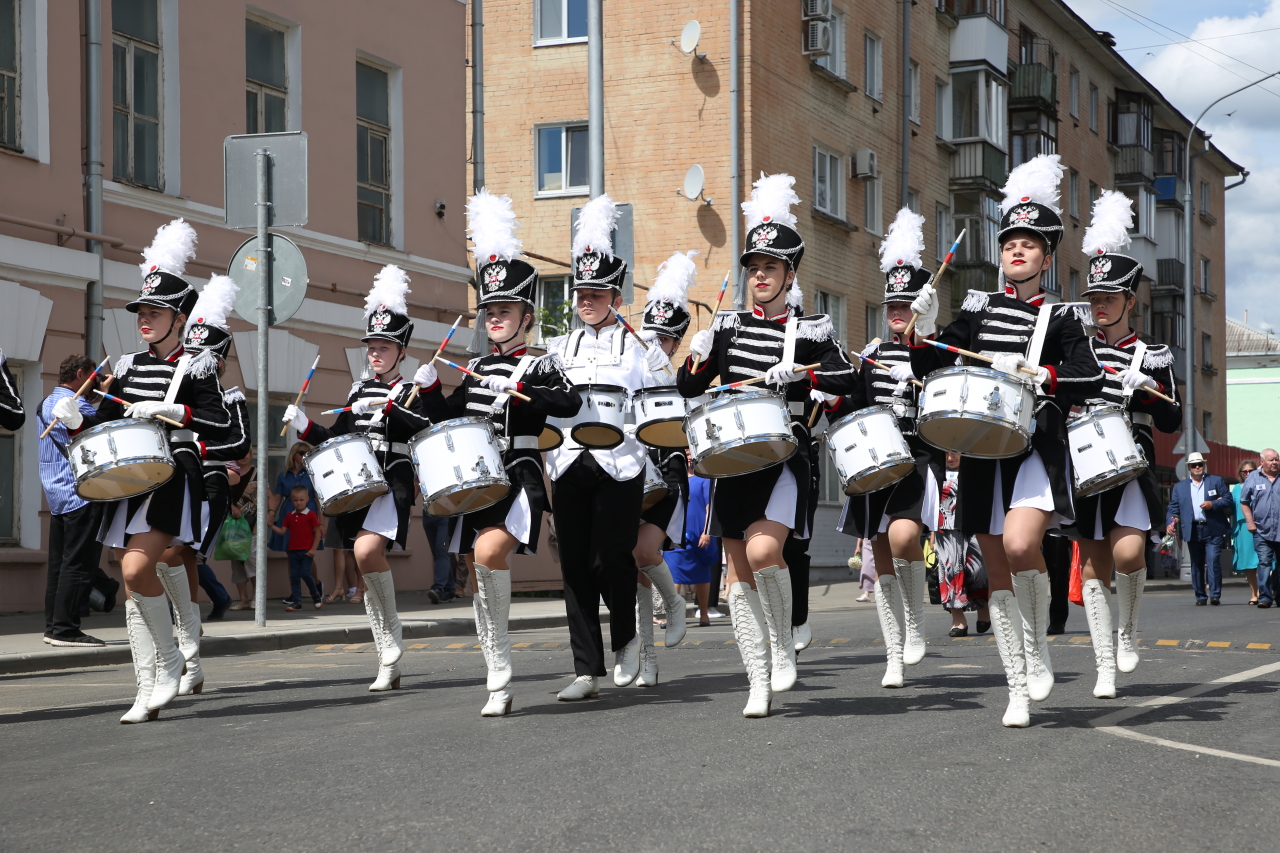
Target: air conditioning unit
[
  {"x": 817, "y": 38},
  {"x": 865, "y": 164},
  {"x": 817, "y": 10}
]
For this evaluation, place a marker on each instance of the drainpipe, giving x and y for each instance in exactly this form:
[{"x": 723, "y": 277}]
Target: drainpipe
[
  {"x": 735, "y": 156},
  {"x": 477, "y": 94},
  {"x": 906, "y": 101},
  {"x": 595, "y": 96},
  {"x": 93, "y": 172}
]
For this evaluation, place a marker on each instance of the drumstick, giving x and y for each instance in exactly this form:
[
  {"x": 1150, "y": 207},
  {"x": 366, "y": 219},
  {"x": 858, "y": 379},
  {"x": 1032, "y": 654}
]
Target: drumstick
[
  {"x": 753, "y": 380},
  {"x": 643, "y": 343},
  {"x": 970, "y": 354},
  {"x": 303, "y": 393},
  {"x": 512, "y": 392},
  {"x": 115, "y": 399},
  {"x": 414, "y": 393},
  {"x": 80, "y": 393},
  {"x": 1148, "y": 390},
  {"x": 372, "y": 403},
  {"x": 724, "y": 285},
  {"x": 946, "y": 262}
]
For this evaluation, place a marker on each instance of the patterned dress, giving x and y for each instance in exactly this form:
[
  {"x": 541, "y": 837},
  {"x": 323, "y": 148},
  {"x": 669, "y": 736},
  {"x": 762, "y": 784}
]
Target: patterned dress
[{"x": 962, "y": 576}]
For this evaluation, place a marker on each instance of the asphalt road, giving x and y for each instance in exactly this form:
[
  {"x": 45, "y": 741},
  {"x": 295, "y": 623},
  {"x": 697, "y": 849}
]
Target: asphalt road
[{"x": 287, "y": 751}]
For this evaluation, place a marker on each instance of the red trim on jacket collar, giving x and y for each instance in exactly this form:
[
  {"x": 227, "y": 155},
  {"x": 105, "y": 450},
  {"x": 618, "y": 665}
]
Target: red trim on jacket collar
[
  {"x": 523, "y": 349},
  {"x": 391, "y": 382},
  {"x": 758, "y": 313},
  {"x": 1036, "y": 300},
  {"x": 1127, "y": 341},
  {"x": 177, "y": 353}
]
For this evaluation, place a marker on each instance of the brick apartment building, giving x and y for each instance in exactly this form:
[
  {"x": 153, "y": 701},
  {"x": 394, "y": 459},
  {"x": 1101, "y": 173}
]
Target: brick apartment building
[{"x": 990, "y": 84}]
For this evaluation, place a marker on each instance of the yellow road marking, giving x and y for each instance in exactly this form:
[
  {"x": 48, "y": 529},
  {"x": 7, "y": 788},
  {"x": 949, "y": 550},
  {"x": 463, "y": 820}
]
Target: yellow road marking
[
  {"x": 965, "y": 639},
  {"x": 418, "y": 646},
  {"x": 522, "y": 645},
  {"x": 1258, "y": 646},
  {"x": 1217, "y": 644},
  {"x": 325, "y": 648},
  {"x": 456, "y": 646},
  {"x": 841, "y": 640},
  {"x": 1166, "y": 642},
  {"x": 1079, "y": 639},
  {"x": 355, "y": 646}
]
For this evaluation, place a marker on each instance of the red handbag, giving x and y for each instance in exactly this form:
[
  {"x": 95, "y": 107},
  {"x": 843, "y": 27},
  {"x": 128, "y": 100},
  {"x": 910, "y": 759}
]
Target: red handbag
[{"x": 1075, "y": 590}]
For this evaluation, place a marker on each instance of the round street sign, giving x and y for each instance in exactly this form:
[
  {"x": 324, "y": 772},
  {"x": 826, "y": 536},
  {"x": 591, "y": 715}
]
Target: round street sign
[{"x": 288, "y": 278}]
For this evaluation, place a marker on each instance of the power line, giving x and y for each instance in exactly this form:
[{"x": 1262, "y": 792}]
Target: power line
[{"x": 1206, "y": 38}]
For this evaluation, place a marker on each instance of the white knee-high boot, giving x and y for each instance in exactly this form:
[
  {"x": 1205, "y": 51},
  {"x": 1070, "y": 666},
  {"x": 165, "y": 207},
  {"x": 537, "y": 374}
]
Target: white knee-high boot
[
  {"x": 774, "y": 586},
  {"x": 1007, "y": 628},
  {"x": 144, "y": 664},
  {"x": 378, "y": 598},
  {"x": 911, "y": 575},
  {"x": 648, "y": 676},
  {"x": 154, "y": 611},
  {"x": 1129, "y": 591},
  {"x": 186, "y": 619},
  {"x": 493, "y": 589},
  {"x": 660, "y": 575},
  {"x": 1032, "y": 589},
  {"x": 889, "y": 609},
  {"x": 749, "y": 632},
  {"x": 1097, "y": 609}
]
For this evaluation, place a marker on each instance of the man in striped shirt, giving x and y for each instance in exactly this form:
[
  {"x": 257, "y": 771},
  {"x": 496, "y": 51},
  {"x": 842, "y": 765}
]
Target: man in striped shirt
[{"x": 74, "y": 550}]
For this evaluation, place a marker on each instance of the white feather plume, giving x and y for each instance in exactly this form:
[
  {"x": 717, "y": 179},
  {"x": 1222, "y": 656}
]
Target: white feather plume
[
  {"x": 596, "y": 222},
  {"x": 491, "y": 225},
  {"x": 390, "y": 287},
  {"x": 795, "y": 296},
  {"x": 904, "y": 241},
  {"x": 216, "y": 302},
  {"x": 771, "y": 196},
  {"x": 173, "y": 246},
  {"x": 675, "y": 277},
  {"x": 1112, "y": 219},
  {"x": 1039, "y": 180}
]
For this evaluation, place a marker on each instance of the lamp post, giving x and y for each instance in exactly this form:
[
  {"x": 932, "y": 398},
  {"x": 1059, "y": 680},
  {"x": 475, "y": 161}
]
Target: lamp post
[{"x": 1188, "y": 276}]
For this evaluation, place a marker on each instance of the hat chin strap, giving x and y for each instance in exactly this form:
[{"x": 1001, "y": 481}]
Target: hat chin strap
[{"x": 1022, "y": 280}]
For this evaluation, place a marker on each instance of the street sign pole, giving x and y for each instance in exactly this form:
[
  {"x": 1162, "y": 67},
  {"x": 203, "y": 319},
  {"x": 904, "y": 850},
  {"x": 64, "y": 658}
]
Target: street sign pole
[{"x": 263, "y": 156}]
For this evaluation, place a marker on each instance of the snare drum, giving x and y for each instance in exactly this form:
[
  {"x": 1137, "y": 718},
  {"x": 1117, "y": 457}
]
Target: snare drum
[
  {"x": 120, "y": 459},
  {"x": 976, "y": 411},
  {"x": 459, "y": 466},
  {"x": 1103, "y": 452},
  {"x": 599, "y": 423},
  {"x": 740, "y": 433},
  {"x": 868, "y": 450},
  {"x": 660, "y": 417},
  {"x": 345, "y": 474},
  {"x": 655, "y": 488}
]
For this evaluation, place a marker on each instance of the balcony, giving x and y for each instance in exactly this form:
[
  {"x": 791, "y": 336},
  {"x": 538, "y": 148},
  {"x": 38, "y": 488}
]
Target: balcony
[
  {"x": 1169, "y": 190},
  {"x": 1135, "y": 163},
  {"x": 979, "y": 163},
  {"x": 1170, "y": 274},
  {"x": 970, "y": 276},
  {"x": 1034, "y": 85}
]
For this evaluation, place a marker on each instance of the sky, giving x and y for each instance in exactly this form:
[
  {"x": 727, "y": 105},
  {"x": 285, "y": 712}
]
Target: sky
[{"x": 1236, "y": 43}]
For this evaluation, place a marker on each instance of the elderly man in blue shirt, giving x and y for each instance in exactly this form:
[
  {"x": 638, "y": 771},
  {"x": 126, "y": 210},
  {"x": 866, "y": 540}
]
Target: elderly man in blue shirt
[
  {"x": 1201, "y": 506},
  {"x": 1261, "y": 506}
]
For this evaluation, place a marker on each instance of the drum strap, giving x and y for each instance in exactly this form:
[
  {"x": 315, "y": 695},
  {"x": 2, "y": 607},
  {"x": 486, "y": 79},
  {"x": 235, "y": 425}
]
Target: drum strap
[
  {"x": 525, "y": 442},
  {"x": 1037, "y": 339},
  {"x": 789, "y": 340},
  {"x": 1139, "y": 355},
  {"x": 516, "y": 375},
  {"x": 176, "y": 381}
]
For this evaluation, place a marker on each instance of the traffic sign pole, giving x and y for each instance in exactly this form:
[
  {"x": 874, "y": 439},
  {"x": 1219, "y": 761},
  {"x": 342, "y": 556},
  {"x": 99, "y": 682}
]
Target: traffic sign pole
[{"x": 263, "y": 156}]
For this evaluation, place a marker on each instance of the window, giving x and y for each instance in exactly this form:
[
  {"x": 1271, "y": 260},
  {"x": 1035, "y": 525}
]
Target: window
[
  {"x": 1146, "y": 318},
  {"x": 828, "y": 183},
  {"x": 1169, "y": 321},
  {"x": 562, "y": 159},
  {"x": 978, "y": 106},
  {"x": 1206, "y": 276},
  {"x": 1073, "y": 283},
  {"x": 561, "y": 20},
  {"x": 1144, "y": 211},
  {"x": 942, "y": 109},
  {"x": 873, "y": 316},
  {"x": 1073, "y": 92},
  {"x": 833, "y": 306},
  {"x": 1205, "y": 197},
  {"x": 1093, "y": 108},
  {"x": 1073, "y": 189},
  {"x": 981, "y": 215},
  {"x": 873, "y": 84},
  {"x": 1049, "y": 281},
  {"x": 1206, "y": 352},
  {"x": 554, "y": 314},
  {"x": 913, "y": 200},
  {"x": 1093, "y": 194},
  {"x": 135, "y": 77},
  {"x": 942, "y": 239},
  {"x": 915, "y": 91},
  {"x": 1132, "y": 120},
  {"x": 8, "y": 84},
  {"x": 969, "y": 8},
  {"x": 835, "y": 60},
  {"x": 264, "y": 78},
  {"x": 1031, "y": 133},
  {"x": 871, "y": 196},
  {"x": 373, "y": 155},
  {"x": 9, "y": 473},
  {"x": 1170, "y": 150},
  {"x": 1206, "y": 426}
]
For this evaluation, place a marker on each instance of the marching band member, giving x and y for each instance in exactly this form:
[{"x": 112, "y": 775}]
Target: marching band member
[
  {"x": 1010, "y": 503},
  {"x": 597, "y": 493},
  {"x": 905, "y": 510},
  {"x": 758, "y": 511},
  {"x": 206, "y": 332},
  {"x": 163, "y": 380},
  {"x": 666, "y": 317},
  {"x": 378, "y": 407},
  {"x": 12, "y": 415},
  {"x": 1114, "y": 524},
  {"x": 508, "y": 286}
]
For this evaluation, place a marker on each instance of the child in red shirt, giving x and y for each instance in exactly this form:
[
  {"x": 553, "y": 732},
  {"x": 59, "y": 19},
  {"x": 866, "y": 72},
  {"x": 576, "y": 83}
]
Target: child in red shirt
[{"x": 304, "y": 530}]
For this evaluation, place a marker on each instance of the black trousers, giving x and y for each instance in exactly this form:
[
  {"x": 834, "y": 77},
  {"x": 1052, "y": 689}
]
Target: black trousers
[
  {"x": 796, "y": 553},
  {"x": 597, "y": 519},
  {"x": 74, "y": 552},
  {"x": 1057, "y": 559}
]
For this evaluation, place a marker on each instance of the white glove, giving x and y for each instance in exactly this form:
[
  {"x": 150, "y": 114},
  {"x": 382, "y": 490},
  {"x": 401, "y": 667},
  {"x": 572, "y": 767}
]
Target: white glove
[
  {"x": 298, "y": 418},
  {"x": 656, "y": 359},
  {"x": 700, "y": 346},
  {"x": 926, "y": 306},
  {"x": 68, "y": 411},
  {"x": 157, "y": 409},
  {"x": 822, "y": 398},
  {"x": 499, "y": 384},
  {"x": 783, "y": 374},
  {"x": 1008, "y": 362},
  {"x": 647, "y": 335},
  {"x": 364, "y": 406},
  {"x": 426, "y": 376},
  {"x": 902, "y": 373},
  {"x": 1132, "y": 380}
]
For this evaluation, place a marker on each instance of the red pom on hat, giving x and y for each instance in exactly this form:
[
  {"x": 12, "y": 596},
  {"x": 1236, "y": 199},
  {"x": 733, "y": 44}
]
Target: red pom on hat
[
  {"x": 766, "y": 218},
  {"x": 493, "y": 257},
  {"x": 1026, "y": 198}
]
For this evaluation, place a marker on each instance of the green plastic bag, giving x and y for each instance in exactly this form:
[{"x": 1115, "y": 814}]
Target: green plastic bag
[{"x": 235, "y": 540}]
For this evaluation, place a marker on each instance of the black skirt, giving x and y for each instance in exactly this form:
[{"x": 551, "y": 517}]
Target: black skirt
[
  {"x": 1086, "y": 526},
  {"x": 526, "y": 479},
  {"x": 904, "y": 499},
  {"x": 164, "y": 506},
  {"x": 400, "y": 482},
  {"x": 738, "y": 502}
]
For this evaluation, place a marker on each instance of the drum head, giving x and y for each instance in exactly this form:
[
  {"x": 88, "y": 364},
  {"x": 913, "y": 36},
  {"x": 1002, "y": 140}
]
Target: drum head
[
  {"x": 126, "y": 481},
  {"x": 469, "y": 500},
  {"x": 743, "y": 459},
  {"x": 597, "y": 435},
  {"x": 551, "y": 438},
  {"x": 972, "y": 436},
  {"x": 350, "y": 501},
  {"x": 882, "y": 479},
  {"x": 653, "y": 498},
  {"x": 1103, "y": 484},
  {"x": 664, "y": 434}
]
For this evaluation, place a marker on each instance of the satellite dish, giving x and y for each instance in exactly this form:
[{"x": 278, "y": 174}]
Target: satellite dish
[
  {"x": 689, "y": 37},
  {"x": 693, "y": 179}
]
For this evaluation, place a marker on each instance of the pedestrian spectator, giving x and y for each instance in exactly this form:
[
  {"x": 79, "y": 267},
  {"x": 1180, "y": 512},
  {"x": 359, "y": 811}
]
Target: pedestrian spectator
[
  {"x": 347, "y": 581},
  {"x": 867, "y": 571},
  {"x": 1200, "y": 511},
  {"x": 437, "y": 529},
  {"x": 1261, "y": 506},
  {"x": 294, "y": 474},
  {"x": 244, "y": 492},
  {"x": 304, "y": 529},
  {"x": 73, "y": 522},
  {"x": 962, "y": 576},
  {"x": 692, "y": 563},
  {"x": 1244, "y": 558}
]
